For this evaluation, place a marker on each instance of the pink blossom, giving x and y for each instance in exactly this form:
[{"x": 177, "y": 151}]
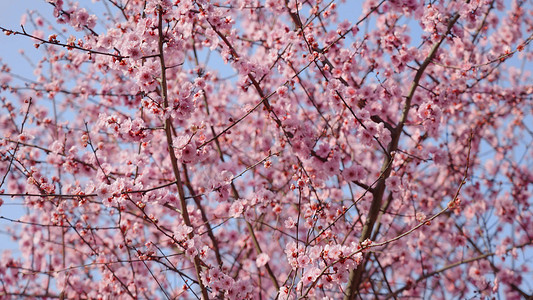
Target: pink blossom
[
  {"x": 267, "y": 149},
  {"x": 262, "y": 260},
  {"x": 289, "y": 223},
  {"x": 354, "y": 173},
  {"x": 236, "y": 209},
  {"x": 394, "y": 183}
]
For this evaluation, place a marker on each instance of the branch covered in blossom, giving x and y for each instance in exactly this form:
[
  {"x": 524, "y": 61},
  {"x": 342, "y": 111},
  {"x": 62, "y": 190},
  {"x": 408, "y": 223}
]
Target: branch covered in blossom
[{"x": 268, "y": 149}]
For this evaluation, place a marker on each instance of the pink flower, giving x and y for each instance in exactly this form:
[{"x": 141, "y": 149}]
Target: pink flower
[
  {"x": 394, "y": 183},
  {"x": 354, "y": 173},
  {"x": 262, "y": 259},
  {"x": 188, "y": 154},
  {"x": 310, "y": 275},
  {"x": 284, "y": 293},
  {"x": 82, "y": 17},
  {"x": 290, "y": 223},
  {"x": 303, "y": 261},
  {"x": 236, "y": 209},
  {"x": 145, "y": 76},
  {"x": 343, "y": 27},
  {"x": 182, "y": 232},
  {"x": 25, "y": 137},
  {"x": 282, "y": 91},
  {"x": 134, "y": 53}
]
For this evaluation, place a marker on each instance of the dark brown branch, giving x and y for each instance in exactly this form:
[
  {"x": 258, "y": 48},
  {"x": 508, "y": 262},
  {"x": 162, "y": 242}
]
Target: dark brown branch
[
  {"x": 173, "y": 159},
  {"x": 357, "y": 274}
]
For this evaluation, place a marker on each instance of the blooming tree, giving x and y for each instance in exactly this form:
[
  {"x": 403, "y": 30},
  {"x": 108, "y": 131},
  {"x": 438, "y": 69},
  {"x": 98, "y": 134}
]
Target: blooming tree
[{"x": 250, "y": 149}]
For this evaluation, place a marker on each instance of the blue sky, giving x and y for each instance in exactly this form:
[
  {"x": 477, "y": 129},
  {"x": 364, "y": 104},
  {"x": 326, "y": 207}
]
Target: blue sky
[{"x": 10, "y": 16}]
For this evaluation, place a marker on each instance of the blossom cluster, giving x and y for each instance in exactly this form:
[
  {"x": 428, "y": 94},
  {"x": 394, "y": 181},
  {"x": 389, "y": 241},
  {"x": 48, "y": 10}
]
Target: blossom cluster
[{"x": 253, "y": 149}]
